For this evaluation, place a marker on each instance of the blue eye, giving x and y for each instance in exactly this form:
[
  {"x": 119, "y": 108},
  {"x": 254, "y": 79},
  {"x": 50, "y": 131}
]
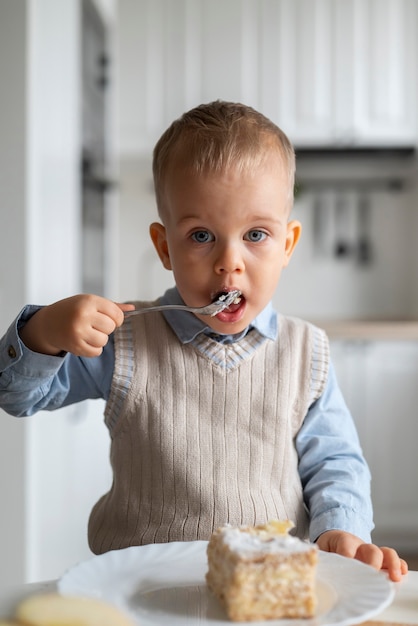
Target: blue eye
[
  {"x": 202, "y": 236},
  {"x": 255, "y": 236}
]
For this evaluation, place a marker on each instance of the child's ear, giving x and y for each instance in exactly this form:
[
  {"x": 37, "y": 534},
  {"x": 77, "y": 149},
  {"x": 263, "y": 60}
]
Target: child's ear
[
  {"x": 159, "y": 239},
  {"x": 294, "y": 231}
]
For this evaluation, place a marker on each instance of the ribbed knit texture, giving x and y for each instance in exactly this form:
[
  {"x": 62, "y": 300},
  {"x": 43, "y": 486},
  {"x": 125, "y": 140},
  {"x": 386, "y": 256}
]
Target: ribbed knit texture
[{"x": 203, "y": 433}]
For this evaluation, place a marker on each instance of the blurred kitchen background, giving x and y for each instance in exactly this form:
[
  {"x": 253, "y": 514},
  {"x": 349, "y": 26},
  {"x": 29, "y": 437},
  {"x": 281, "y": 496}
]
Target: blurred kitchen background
[{"x": 87, "y": 87}]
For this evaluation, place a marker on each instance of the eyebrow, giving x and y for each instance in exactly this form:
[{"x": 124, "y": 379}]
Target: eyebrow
[
  {"x": 254, "y": 218},
  {"x": 260, "y": 218}
]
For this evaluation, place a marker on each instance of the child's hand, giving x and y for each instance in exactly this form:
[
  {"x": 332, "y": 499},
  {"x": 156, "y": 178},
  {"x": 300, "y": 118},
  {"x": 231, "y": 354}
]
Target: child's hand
[
  {"x": 80, "y": 325},
  {"x": 349, "y": 545}
]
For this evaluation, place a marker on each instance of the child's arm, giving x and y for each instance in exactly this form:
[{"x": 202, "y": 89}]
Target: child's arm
[
  {"x": 35, "y": 377},
  {"x": 336, "y": 482},
  {"x": 79, "y": 324},
  {"x": 349, "y": 545}
]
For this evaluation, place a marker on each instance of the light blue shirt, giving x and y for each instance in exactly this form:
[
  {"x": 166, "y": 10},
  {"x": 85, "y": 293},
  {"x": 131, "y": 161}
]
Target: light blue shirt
[{"x": 334, "y": 473}]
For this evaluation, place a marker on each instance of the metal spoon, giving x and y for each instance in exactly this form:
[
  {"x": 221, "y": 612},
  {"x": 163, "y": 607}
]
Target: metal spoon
[{"x": 223, "y": 302}]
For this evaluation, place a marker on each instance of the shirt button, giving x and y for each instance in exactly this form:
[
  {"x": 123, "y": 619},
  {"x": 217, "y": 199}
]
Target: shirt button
[{"x": 11, "y": 352}]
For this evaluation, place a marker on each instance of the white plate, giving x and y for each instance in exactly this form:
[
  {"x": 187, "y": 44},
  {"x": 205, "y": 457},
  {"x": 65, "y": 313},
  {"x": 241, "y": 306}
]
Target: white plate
[{"x": 165, "y": 584}]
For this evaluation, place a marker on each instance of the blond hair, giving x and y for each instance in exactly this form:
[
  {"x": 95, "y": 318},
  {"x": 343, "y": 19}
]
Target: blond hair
[{"x": 217, "y": 136}]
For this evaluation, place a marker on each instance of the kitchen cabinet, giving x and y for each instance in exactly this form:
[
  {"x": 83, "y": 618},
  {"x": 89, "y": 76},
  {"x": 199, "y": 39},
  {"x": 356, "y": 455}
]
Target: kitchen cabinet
[
  {"x": 384, "y": 37},
  {"x": 344, "y": 70},
  {"x": 379, "y": 383},
  {"x": 174, "y": 56},
  {"x": 329, "y": 72}
]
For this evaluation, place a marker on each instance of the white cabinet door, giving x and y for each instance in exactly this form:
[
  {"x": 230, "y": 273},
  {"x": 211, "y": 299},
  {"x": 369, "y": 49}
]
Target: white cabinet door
[
  {"x": 297, "y": 68},
  {"x": 380, "y": 383},
  {"x": 327, "y": 71},
  {"x": 340, "y": 71},
  {"x": 176, "y": 55},
  {"x": 384, "y": 71}
]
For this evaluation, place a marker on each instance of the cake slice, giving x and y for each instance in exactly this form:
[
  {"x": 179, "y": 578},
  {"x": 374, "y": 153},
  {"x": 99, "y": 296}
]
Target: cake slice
[{"x": 262, "y": 572}]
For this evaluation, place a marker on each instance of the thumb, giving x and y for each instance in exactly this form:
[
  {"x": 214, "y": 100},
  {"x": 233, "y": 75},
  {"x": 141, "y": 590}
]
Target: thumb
[{"x": 123, "y": 306}]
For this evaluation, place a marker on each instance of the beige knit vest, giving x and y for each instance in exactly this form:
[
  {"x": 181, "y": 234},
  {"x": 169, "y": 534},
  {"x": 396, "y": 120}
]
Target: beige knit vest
[{"x": 203, "y": 434}]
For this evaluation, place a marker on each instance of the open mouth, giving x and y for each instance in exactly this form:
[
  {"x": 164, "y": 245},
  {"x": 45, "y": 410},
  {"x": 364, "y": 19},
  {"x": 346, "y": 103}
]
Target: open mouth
[
  {"x": 233, "y": 300},
  {"x": 226, "y": 295}
]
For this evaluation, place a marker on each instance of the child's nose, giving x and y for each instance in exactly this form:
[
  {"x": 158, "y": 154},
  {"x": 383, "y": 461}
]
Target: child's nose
[{"x": 229, "y": 259}]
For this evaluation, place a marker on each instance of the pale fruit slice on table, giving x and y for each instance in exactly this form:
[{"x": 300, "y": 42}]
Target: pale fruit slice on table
[{"x": 55, "y": 610}]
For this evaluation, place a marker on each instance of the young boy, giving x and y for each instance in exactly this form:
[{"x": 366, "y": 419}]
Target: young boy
[{"x": 235, "y": 418}]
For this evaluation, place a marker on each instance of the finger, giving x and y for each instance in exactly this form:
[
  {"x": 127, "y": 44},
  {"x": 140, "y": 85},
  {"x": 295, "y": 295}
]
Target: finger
[
  {"x": 102, "y": 325},
  {"x": 115, "y": 311},
  {"x": 85, "y": 350},
  {"x": 91, "y": 341},
  {"x": 108, "y": 316},
  {"x": 370, "y": 554},
  {"x": 347, "y": 545},
  {"x": 90, "y": 351},
  {"x": 395, "y": 566},
  {"x": 125, "y": 306},
  {"x": 344, "y": 544}
]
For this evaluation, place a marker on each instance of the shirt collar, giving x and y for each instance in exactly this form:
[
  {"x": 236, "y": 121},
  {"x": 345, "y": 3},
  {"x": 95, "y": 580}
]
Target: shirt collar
[{"x": 187, "y": 326}]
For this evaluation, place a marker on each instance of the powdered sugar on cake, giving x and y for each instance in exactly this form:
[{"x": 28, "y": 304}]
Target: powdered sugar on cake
[{"x": 248, "y": 544}]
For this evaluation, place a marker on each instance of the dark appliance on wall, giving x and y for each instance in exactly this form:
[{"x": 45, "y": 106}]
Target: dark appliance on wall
[{"x": 94, "y": 166}]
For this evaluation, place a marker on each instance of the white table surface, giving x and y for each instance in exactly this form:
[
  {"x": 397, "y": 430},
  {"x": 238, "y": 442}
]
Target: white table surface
[{"x": 403, "y": 610}]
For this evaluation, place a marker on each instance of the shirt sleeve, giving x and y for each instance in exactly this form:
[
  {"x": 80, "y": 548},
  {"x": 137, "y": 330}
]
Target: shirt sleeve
[
  {"x": 333, "y": 470},
  {"x": 30, "y": 382}
]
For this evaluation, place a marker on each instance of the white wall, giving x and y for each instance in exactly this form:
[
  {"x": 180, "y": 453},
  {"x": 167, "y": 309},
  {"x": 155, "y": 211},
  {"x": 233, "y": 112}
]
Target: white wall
[
  {"x": 319, "y": 286},
  {"x": 53, "y": 466},
  {"x": 13, "y": 169},
  {"x": 68, "y": 449},
  {"x": 13, "y": 262}
]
